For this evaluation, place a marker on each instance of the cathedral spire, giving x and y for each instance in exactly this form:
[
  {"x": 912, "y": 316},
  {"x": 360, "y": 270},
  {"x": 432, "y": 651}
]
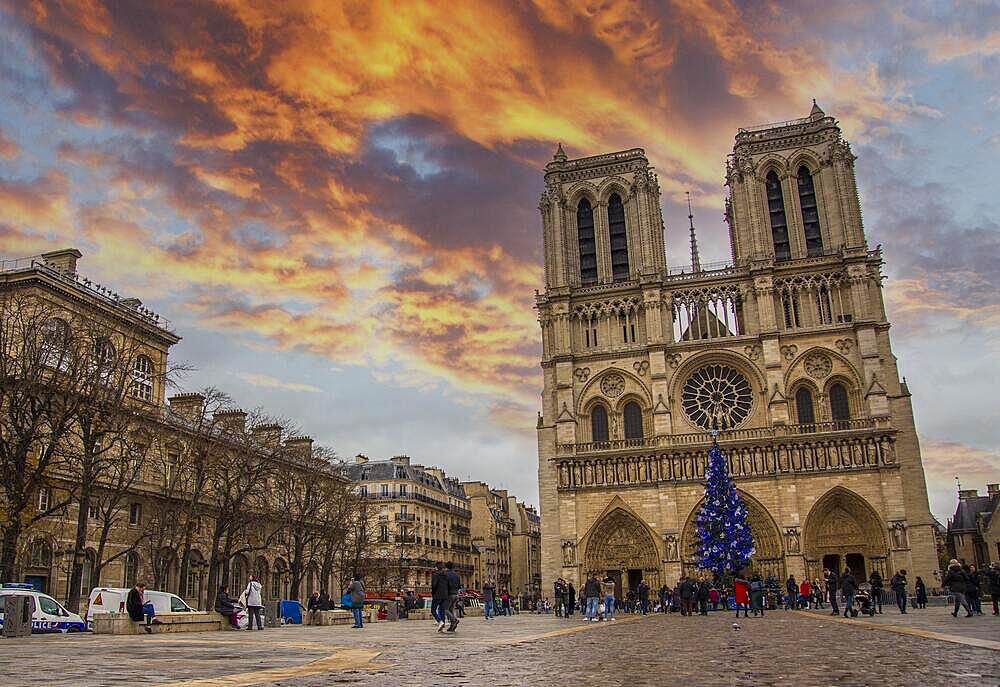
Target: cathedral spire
[
  {"x": 560, "y": 155},
  {"x": 695, "y": 260},
  {"x": 816, "y": 111}
]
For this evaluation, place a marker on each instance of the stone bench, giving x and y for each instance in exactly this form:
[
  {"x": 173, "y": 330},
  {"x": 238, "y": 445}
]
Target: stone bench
[
  {"x": 196, "y": 621},
  {"x": 325, "y": 618},
  {"x": 419, "y": 614},
  {"x": 474, "y": 612}
]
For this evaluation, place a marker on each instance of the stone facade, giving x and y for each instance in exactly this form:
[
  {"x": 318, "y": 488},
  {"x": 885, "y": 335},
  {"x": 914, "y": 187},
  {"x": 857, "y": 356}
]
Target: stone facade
[
  {"x": 785, "y": 351},
  {"x": 492, "y": 529},
  {"x": 417, "y": 516},
  {"x": 135, "y": 546},
  {"x": 525, "y": 550},
  {"x": 973, "y": 534}
]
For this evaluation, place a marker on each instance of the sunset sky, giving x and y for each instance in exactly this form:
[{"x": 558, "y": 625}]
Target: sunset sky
[{"x": 336, "y": 203}]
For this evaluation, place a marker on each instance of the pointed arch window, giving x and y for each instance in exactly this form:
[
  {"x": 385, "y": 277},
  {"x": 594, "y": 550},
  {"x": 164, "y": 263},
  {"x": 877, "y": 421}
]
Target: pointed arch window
[
  {"x": 810, "y": 212},
  {"x": 804, "y": 408},
  {"x": 776, "y": 211},
  {"x": 633, "y": 420},
  {"x": 599, "y": 423},
  {"x": 619, "y": 239},
  {"x": 840, "y": 409},
  {"x": 588, "y": 245}
]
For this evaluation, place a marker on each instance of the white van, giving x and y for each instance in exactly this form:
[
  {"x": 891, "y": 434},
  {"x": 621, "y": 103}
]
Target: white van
[
  {"x": 112, "y": 600},
  {"x": 47, "y": 614}
]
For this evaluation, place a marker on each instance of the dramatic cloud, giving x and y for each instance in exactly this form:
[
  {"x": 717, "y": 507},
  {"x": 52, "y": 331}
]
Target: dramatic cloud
[{"x": 358, "y": 182}]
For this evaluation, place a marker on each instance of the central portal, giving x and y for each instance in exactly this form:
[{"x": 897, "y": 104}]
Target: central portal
[{"x": 621, "y": 547}]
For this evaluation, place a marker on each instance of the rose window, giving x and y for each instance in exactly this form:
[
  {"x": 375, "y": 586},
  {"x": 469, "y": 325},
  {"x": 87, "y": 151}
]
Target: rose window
[
  {"x": 613, "y": 385},
  {"x": 717, "y": 396}
]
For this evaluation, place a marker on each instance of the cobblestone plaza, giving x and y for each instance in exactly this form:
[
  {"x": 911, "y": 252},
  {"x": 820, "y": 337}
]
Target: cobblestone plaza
[{"x": 783, "y": 648}]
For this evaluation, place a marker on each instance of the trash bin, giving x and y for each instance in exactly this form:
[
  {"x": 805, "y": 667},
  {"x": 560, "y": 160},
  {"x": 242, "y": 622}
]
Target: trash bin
[
  {"x": 291, "y": 611},
  {"x": 17, "y": 615}
]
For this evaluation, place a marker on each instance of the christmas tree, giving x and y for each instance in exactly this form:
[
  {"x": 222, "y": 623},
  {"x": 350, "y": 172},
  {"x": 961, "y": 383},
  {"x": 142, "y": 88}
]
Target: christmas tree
[{"x": 725, "y": 543}]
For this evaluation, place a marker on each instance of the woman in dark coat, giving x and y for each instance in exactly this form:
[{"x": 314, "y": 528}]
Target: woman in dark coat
[
  {"x": 226, "y": 605},
  {"x": 921, "y": 590},
  {"x": 956, "y": 581},
  {"x": 137, "y": 608}
]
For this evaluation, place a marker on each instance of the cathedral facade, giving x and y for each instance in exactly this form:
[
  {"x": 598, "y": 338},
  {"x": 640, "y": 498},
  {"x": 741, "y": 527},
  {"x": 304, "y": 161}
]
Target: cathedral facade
[{"x": 784, "y": 352}]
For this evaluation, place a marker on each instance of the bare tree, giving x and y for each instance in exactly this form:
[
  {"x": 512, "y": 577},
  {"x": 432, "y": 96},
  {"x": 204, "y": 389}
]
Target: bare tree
[{"x": 44, "y": 367}]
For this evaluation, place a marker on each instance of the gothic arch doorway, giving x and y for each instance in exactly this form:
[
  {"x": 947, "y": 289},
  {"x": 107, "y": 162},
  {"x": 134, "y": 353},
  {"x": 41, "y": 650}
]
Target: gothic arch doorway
[
  {"x": 842, "y": 531},
  {"x": 623, "y": 547},
  {"x": 768, "y": 558}
]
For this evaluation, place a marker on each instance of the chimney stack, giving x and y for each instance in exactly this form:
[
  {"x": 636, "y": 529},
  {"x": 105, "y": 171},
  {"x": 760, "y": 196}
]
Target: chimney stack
[
  {"x": 188, "y": 406},
  {"x": 968, "y": 493},
  {"x": 234, "y": 420},
  {"x": 63, "y": 260},
  {"x": 268, "y": 436},
  {"x": 992, "y": 489},
  {"x": 400, "y": 460},
  {"x": 360, "y": 459},
  {"x": 301, "y": 446}
]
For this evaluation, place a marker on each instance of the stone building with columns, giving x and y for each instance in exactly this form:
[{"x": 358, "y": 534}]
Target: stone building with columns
[{"x": 784, "y": 350}]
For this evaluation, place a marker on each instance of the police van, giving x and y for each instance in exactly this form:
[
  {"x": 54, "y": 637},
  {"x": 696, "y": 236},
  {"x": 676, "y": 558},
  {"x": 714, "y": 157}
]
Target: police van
[{"x": 47, "y": 614}]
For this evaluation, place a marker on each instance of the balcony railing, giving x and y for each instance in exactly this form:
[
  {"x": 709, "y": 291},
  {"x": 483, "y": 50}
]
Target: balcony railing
[
  {"x": 753, "y": 453},
  {"x": 406, "y": 517},
  {"x": 775, "y": 432},
  {"x": 460, "y": 529}
]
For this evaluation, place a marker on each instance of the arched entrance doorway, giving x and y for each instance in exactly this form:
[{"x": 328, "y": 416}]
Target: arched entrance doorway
[
  {"x": 843, "y": 531},
  {"x": 768, "y": 558},
  {"x": 623, "y": 547}
]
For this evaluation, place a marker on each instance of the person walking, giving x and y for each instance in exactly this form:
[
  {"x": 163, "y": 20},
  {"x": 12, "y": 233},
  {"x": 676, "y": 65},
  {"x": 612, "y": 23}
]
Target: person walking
[
  {"x": 687, "y": 589},
  {"x": 741, "y": 595},
  {"x": 791, "y": 592},
  {"x": 490, "y": 599},
  {"x": 974, "y": 588},
  {"x": 757, "y": 594},
  {"x": 898, "y": 586},
  {"x": 713, "y": 598},
  {"x": 818, "y": 594},
  {"x": 226, "y": 605},
  {"x": 993, "y": 579},
  {"x": 644, "y": 596},
  {"x": 505, "y": 602},
  {"x": 569, "y": 599},
  {"x": 875, "y": 580},
  {"x": 920, "y": 589},
  {"x": 357, "y": 592},
  {"x": 849, "y": 586},
  {"x": 255, "y": 603},
  {"x": 137, "y": 608},
  {"x": 703, "y": 592},
  {"x": 558, "y": 591},
  {"x": 608, "y": 587},
  {"x": 454, "y": 585},
  {"x": 439, "y": 594},
  {"x": 956, "y": 581},
  {"x": 592, "y": 595},
  {"x": 831, "y": 589}
]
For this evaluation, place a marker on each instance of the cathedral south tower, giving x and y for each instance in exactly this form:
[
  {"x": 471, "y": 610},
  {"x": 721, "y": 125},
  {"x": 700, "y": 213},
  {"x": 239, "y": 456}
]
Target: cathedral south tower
[{"x": 785, "y": 351}]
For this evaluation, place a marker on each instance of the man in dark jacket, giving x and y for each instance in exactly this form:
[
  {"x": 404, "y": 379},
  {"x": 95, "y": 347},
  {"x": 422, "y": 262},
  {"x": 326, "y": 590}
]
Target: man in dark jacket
[
  {"x": 875, "y": 580},
  {"x": 557, "y": 596},
  {"x": 490, "y": 599},
  {"x": 644, "y": 596},
  {"x": 898, "y": 585},
  {"x": 137, "y": 608},
  {"x": 849, "y": 585},
  {"x": 687, "y": 590},
  {"x": 791, "y": 593},
  {"x": 703, "y": 587},
  {"x": 973, "y": 589},
  {"x": 830, "y": 578},
  {"x": 454, "y": 586},
  {"x": 569, "y": 599},
  {"x": 993, "y": 575},
  {"x": 956, "y": 581},
  {"x": 226, "y": 605},
  {"x": 439, "y": 594}
]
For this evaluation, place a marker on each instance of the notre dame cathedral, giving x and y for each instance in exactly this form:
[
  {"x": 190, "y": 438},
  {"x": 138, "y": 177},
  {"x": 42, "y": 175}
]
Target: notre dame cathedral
[{"x": 785, "y": 352}]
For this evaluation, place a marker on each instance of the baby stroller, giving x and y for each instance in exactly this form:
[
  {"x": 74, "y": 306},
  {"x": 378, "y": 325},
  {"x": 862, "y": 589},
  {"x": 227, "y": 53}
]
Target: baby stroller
[{"x": 863, "y": 602}]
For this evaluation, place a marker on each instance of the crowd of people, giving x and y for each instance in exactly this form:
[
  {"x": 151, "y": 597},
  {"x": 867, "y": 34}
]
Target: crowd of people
[{"x": 603, "y": 599}]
